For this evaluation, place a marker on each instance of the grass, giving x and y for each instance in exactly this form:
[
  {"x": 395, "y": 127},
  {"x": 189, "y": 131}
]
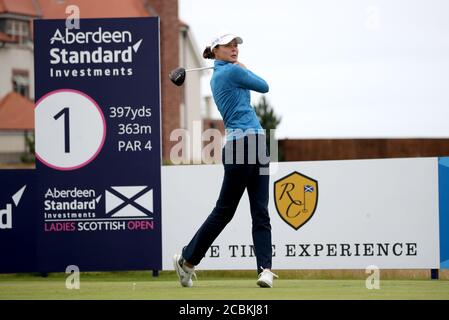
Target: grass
[{"x": 211, "y": 286}]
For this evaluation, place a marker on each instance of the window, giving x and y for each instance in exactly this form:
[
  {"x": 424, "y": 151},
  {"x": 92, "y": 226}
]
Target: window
[
  {"x": 19, "y": 30},
  {"x": 21, "y": 82}
]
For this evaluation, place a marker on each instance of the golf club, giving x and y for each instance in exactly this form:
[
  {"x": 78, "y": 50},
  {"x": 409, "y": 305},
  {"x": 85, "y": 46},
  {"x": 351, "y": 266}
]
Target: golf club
[{"x": 178, "y": 75}]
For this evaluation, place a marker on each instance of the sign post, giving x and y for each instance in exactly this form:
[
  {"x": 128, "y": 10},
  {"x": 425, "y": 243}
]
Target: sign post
[{"x": 98, "y": 144}]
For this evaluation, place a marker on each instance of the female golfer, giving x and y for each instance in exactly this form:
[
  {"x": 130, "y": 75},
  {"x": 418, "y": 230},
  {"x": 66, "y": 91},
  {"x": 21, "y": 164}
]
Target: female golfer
[{"x": 243, "y": 169}]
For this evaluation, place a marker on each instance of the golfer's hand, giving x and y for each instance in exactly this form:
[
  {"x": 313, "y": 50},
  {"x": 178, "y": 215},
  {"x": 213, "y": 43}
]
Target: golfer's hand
[{"x": 240, "y": 64}]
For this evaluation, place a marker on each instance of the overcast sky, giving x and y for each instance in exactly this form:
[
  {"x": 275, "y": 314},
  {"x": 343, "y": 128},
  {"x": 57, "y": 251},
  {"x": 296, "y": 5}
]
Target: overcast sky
[{"x": 343, "y": 69}]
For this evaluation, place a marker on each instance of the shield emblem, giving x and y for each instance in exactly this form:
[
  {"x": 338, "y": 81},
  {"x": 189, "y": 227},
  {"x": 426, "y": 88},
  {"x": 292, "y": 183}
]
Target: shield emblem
[{"x": 296, "y": 198}]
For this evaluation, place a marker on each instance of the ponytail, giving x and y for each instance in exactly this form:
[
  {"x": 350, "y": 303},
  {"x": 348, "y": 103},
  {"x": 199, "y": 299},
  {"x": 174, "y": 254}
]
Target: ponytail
[{"x": 208, "y": 54}]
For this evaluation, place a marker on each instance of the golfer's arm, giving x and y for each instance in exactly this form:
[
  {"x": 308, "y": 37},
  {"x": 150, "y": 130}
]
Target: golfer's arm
[{"x": 246, "y": 79}]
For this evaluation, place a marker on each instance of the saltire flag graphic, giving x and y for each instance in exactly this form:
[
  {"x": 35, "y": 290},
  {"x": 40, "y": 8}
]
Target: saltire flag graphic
[{"x": 308, "y": 188}]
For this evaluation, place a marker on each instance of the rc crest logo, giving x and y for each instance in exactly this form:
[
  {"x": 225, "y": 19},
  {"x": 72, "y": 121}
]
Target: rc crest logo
[{"x": 296, "y": 198}]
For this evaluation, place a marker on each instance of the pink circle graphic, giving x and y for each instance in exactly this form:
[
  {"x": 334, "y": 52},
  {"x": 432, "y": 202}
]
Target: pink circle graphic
[{"x": 102, "y": 139}]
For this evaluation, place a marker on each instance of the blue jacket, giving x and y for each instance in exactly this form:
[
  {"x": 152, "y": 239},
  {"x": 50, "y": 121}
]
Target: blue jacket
[{"x": 230, "y": 85}]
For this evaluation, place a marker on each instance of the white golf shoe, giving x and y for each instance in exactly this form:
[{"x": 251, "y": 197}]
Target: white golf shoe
[
  {"x": 266, "y": 278},
  {"x": 184, "y": 273}
]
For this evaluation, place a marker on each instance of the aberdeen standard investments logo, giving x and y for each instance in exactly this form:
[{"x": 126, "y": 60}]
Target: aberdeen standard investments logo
[
  {"x": 296, "y": 198},
  {"x": 102, "y": 53},
  {"x": 6, "y": 214},
  {"x": 125, "y": 208}
]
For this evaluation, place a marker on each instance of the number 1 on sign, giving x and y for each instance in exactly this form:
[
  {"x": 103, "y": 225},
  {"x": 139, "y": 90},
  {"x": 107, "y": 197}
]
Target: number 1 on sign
[
  {"x": 66, "y": 113},
  {"x": 70, "y": 129}
]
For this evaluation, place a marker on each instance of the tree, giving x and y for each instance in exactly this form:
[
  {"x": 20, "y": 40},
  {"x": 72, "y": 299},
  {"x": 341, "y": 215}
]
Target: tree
[
  {"x": 265, "y": 113},
  {"x": 29, "y": 155},
  {"x": 267, "y": 118}
]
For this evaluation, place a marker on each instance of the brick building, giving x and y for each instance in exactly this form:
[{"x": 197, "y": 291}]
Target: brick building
[{"x": 16, "y": 126}]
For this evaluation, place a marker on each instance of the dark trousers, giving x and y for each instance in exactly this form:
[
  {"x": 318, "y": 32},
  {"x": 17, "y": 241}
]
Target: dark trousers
[{"x": 246, "y": 166}]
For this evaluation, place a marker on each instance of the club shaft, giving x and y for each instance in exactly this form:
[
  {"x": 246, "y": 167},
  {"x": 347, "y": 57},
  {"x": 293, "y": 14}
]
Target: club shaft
[{"x": 199, "y": 69}]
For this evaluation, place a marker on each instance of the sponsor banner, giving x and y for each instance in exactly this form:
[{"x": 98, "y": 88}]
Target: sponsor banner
[
  {"x": 98, "y": 144},
  {"x": 17, "y": 221},
  {"x": 324, "y": 215},
  {"x": 443, "y": 182}
]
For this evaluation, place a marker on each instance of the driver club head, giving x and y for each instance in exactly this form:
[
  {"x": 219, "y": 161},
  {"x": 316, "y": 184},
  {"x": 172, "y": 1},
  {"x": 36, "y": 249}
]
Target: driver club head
[{"x": 177, "y": 76}]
